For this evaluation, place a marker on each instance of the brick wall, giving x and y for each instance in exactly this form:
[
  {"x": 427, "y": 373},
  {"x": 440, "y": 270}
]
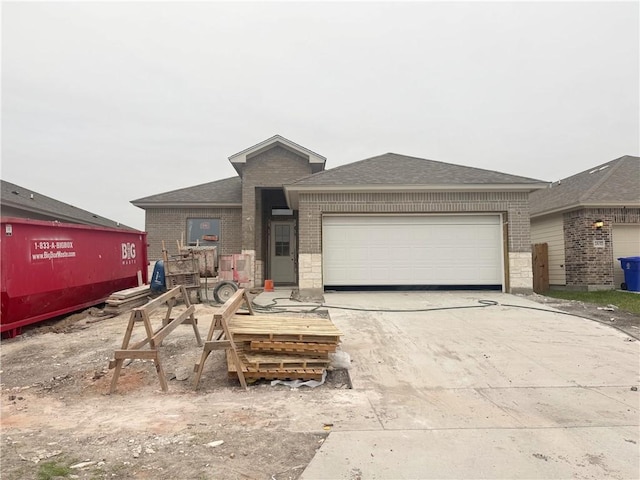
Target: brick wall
[
  {"x": 514, "y": 205},
  {"x": 170, "y": 224},
  {"x": 588, "y": 264},
  {"x": 271, "y": 168}
]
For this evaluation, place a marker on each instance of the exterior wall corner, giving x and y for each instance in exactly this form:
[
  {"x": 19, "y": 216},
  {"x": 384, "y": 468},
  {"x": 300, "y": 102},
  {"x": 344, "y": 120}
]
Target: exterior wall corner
[
  {"x": 252, "y": 267},
  {"x": 520, "y": 272},
  {"x": 310, "y": 271}
]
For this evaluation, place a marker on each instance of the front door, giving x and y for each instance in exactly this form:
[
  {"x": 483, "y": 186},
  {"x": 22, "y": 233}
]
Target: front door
[{"x": 283, "y": 251}]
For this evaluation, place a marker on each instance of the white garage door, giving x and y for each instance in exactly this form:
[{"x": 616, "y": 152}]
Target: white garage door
[
  {"x": 412, "y": 250},
  {"x": 626, "y": 243}
]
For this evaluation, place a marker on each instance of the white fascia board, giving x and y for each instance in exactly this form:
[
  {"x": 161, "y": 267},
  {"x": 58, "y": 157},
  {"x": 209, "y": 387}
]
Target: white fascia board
[
  {"x": 241, "y": 157},
  {"x": 292, "y": 191},
  {"x": 579, "y": 206},
  {"x": 185, "y": 205}
]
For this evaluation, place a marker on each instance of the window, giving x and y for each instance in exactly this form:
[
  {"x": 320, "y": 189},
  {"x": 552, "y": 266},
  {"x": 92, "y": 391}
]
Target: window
[
  {"x": 283, "y": 240},
  {"x": 203, "y": 231}
]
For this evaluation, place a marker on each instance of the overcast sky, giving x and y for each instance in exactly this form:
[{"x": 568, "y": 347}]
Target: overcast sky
[{"x": 104, "y": 103}]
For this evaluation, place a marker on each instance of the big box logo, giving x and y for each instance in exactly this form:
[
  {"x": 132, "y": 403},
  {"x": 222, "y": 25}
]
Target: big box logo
[{"x": 128, "y": 253}]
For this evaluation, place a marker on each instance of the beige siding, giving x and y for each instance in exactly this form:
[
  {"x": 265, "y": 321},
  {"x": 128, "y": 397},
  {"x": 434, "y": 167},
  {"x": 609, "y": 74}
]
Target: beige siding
[
  {"x": 550, "y": 230},
  {"x": 626, "y": 243}
]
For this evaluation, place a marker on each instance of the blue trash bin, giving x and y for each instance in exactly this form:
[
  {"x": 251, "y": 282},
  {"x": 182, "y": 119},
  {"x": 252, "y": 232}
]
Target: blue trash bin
[{"x": 631, "y": 268}]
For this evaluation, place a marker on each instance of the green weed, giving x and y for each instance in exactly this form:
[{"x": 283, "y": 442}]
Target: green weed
[
  {"x": 51, "y": 470},
  {"x": 627, "y": 301}
]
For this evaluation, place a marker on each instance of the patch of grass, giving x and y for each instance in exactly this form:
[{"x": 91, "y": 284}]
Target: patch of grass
[
  {"x": 50, "y": 470},
  {"x": 627, "y": 301}
]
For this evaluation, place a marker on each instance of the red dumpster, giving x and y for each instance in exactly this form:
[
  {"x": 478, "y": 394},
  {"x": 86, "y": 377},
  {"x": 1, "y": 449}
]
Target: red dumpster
[{"x": 51, "y": 268}]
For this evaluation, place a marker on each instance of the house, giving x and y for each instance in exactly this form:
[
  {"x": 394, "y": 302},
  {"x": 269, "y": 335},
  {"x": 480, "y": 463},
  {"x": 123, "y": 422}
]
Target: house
[
  {"x": 21, "y": 202},
  {"x": 387, "y": 220},
  {"x": 588, "y": 221}
]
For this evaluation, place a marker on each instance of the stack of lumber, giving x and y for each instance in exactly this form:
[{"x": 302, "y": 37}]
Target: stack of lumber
[
  {"x": 124, "y": 300},
  {"x": 283, "y": 348}
]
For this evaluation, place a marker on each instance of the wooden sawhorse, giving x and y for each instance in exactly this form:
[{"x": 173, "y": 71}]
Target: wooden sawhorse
[
  {"x": 219, "y": 336},
  {"x": 153, "y": 339}
]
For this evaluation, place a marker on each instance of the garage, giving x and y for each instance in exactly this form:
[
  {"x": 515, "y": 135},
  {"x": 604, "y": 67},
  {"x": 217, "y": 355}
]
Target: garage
[
  {"x": 412, "y": 250},
  {"x": 626, "y": 243}
]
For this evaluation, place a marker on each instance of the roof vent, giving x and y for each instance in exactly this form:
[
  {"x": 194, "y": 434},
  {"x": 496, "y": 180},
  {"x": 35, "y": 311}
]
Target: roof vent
[
  {"x": 603, "y": 167},
  {"x": 31, "y": 196},
  {"x": 15, "y": 192}
]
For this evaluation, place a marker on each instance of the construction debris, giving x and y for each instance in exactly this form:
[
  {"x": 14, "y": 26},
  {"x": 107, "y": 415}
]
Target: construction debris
[
  {"x": 266, "y": 347},
  {"x": 124, "y": 300},
  {"x": 282, "y": 348}
]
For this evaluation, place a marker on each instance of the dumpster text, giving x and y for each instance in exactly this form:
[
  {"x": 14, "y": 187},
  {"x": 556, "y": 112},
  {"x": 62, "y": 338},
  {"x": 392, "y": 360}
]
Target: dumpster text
[{"x": 50, "y": 249}]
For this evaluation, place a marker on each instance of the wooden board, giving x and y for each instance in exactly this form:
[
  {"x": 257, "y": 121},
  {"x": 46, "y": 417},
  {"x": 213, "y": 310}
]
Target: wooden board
[
  {"x": 316, "y": 350},
  {"x": 130, "y": 292},
  {"x": 261, "y": 362},
  {"x": 125, "y": 307},
  {"x": 115, "y": 301},
  {"x": 294, "y": 373},
  {"x": 275, "y": 337},
  {"x": 270, "y": 326}
]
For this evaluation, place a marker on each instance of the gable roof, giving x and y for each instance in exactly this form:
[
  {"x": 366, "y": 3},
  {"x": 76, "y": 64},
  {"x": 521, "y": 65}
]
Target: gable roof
[
  {"x": 239, "y": 159},
  {"x": 615, "y": 183},
  {"x": 226, "y": 192},
  {"x": 29, "y": 201}
]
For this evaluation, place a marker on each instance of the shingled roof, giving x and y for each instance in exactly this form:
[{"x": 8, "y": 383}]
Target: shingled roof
[
  {"x": 15, "y": 197},
  {"x": 226, "y": 192},
  {"x": 615, "y": 183},
  {"x": 394, "y": 169}
]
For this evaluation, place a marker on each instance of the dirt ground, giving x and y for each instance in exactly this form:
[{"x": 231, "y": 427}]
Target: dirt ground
[
  {"x": 56, "y": 409},
  {"x": 626, "y": 322}
]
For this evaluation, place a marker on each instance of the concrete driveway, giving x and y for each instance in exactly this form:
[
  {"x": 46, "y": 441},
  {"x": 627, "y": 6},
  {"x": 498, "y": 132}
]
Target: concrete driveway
[{"x": 491, "y": 392}]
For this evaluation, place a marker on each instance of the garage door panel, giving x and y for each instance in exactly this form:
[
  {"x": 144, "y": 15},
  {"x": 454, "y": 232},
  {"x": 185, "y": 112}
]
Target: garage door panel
[{"x": 412, "y": 250}]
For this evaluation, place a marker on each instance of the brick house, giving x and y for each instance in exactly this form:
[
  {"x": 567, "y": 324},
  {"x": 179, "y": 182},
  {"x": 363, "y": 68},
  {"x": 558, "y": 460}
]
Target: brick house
[
  {"x": 588, "y": 221},
  {"x": 387, "y": 220}
]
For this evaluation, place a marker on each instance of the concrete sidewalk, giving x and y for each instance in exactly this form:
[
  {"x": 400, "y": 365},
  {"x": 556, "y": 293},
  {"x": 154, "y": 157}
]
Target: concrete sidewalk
[{"x": 489, "y": 392}]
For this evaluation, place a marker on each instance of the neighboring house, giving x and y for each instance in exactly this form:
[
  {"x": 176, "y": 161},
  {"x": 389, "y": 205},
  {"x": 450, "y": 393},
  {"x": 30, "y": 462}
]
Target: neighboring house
[
  {"x": 387, "y": 220},
  {"x": 588, "y": 221},
  {"x": 21, "y": 202}
]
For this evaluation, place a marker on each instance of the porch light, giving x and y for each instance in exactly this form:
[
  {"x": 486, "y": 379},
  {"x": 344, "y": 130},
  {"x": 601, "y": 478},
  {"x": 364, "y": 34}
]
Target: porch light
[{"x": 598, "y": 224}]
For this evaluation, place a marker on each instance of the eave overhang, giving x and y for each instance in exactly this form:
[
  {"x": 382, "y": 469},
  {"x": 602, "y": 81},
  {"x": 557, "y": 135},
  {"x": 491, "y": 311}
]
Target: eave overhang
[
  {"x": 292, "y": 192},
  {"x": 145, "y": 205},
  {"x": 580, "y": 206}
]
